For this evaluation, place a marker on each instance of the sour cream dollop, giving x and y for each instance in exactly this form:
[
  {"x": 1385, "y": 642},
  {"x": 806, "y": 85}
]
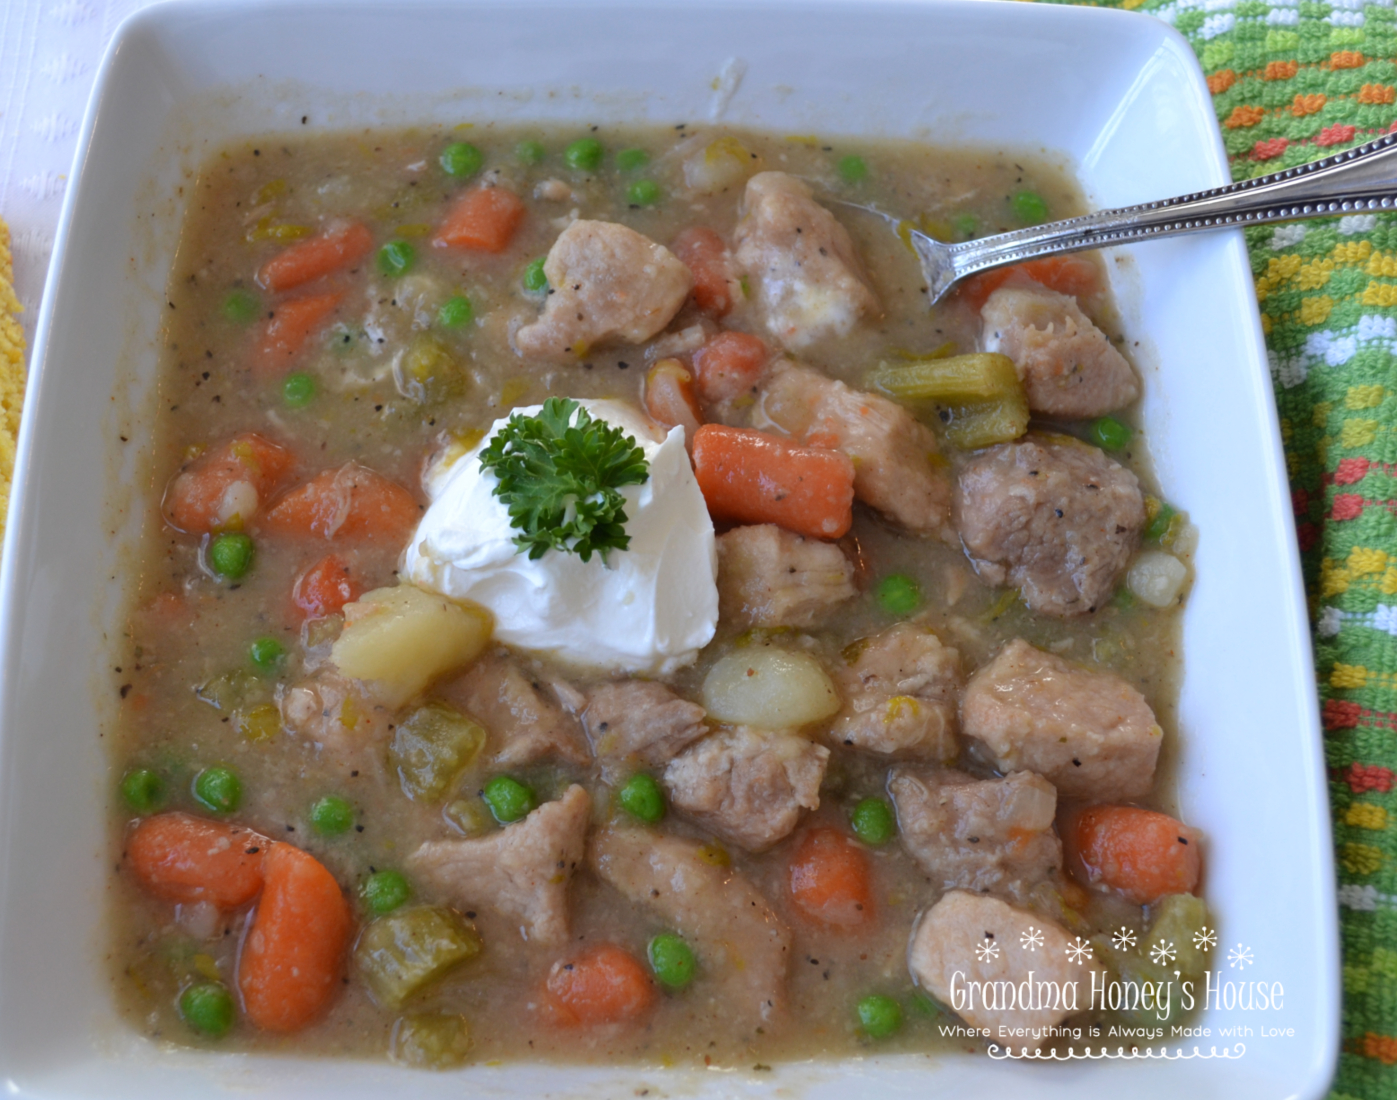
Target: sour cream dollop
[{"x": 648, "y": 609}]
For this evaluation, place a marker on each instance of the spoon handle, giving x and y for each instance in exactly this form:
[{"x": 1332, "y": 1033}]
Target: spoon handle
[{"x": 1354, "y": 181}]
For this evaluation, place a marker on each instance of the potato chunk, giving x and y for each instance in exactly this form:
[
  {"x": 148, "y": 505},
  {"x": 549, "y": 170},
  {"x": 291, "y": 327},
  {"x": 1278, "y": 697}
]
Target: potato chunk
[
  {"x": 401, "y": 639},
  {"x": 769, "y": 688}
]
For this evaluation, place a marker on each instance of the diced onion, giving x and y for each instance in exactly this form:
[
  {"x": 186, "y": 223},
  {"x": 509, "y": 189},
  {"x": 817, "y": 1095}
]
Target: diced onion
[{"x": 1156, "y": 578}]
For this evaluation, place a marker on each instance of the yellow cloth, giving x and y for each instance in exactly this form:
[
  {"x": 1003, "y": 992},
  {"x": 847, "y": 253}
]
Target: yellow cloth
[{"x": 11, "y": 370}]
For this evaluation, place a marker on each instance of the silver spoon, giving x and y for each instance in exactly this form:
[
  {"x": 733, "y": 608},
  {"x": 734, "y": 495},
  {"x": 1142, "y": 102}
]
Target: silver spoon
[{"x": 1357, "y": 180}]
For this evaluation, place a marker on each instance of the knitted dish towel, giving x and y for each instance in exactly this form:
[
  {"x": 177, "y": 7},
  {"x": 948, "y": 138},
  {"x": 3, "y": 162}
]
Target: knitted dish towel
[{"x": 1293, "y": 81}]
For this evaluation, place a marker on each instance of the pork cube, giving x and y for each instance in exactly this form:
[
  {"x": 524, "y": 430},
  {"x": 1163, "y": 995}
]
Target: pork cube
[
  {"x": 636, "y": 723},
  {"x": 901, "y": 689},
  {"x": 1054, "y": 517},
  {"x": 949, "y": 958},
  {"x": 897, "y": 468},
  {"x": 1090, "y": 734},
  {"x": 606, "y": 283},
  {"x": 336, "y": 714},
  {"x": 1067, "y": 365},
  {"x": 805, "y": 277},
  {"x": 521, "y": 872},
  {"x": 744, "y": 944},
  {"x": 748, "y": 786},
  {"x": 768, "y": 576},
  {"x": 523, "y": 714},
  {"x": 993, "y": 836}
]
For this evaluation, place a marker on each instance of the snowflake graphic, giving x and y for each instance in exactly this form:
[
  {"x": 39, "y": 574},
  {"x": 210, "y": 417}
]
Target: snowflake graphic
[
  {"x": 987, "y": 951},
  {"x": 1078, "y": 951},
  {"x": 1206, "y": 939},
  {"x": 1032, "y": 939},
  {"x": 1123, "y": 939},
  {"x": 1163, "y": 952},
  {"x": 1240, "y": 957}
]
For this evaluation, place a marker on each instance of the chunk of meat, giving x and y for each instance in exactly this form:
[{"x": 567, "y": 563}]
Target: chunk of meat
[
  {"x": 226, "y": 485},
  {"x": 1057, "y": 519},
  {"x": 988, "y": 835},
  {"x": 522, "y": 872},
  {"x": 897, "y": 468},
  {"x": 635, "y": 723},
  {"x": 744, "y": 948},
  {"x": 524, "y": 716},
  {"x": 748, "y": 786},
  {"x": 804, "y": 274},
  {"x": 768, "y": 576},
  {"x": 1067, "y": 365},
  {"x": 1090, "y": 734},
  {"x": 607, "y": 283},
  {"x": 944, "y": 962},
  {"x": 336, "y": 714},
  {"x": 900, "y": 688}
]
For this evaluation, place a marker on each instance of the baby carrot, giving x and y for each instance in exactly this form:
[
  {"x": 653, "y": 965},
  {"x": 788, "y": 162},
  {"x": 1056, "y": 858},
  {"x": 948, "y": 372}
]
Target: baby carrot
[
  {"x": 325, "y": 588},
  {"x": 728, "y": 365},
  {"x": 285, "y": 334},
  {"x": 483, "y": 219},
  {"x": 340, "y": 246},
  {"x": 1140, "y": 854},
  {"x": 1064, "y": 274},
  {"x": 352, "y": 502},
  {"x": 601, "y": 986},
  {"x": 703, "y": 252},
  {"x": 290, "y": 965},
  {"x": 753, "y": 477},
  {"x": 669, "y": 397},
  {"x": 188, "y": 859},
  {"x": 830, "y": 879},
  {"x": 225, "y": 485}
]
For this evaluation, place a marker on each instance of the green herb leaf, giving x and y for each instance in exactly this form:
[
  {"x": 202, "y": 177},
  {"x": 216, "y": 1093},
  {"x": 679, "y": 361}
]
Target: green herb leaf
[{"x": 559, "y": 476}]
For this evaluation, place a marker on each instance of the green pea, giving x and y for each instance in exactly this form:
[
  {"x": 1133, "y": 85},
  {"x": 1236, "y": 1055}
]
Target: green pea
[
  {"x": 966, "y": 225},
  {"x": 508, "y": 799},
  {"x": 529, "y": 152},
  {"x": 672, "y": 961},
  {"x": 641, "y": 797},
  {"x": 455, "y": 312},
  {"x": 266, "y": 654},
  {"x": 879, "y": 1016},
  {"x": 873, "y": 821},
  {"x": 643, "y": 193},
  {"x": 1109, "y": 434},
  {"x": 462, "y": 159},
  {"x": 1029, "y": 207},
  {"x": 1123, "y": 600},
  {"x": 1158, "y": 527},
  {"x": 534, "y": 278},
  {"x": 207, "y": 1008},
  {"x": 240, "y": 307},
  {"x": 298, "y": 390},
  {"x": 584, "y": 154},
  {"x": 331, "y": 816},
  {"x": 898, "y": 594},
  {"x": 628, "y": 160},
  {"x": 852, "y": 169},
  {"x": 143, "y": 790},
  {"x": 231, "y": 555},
  {"x": 396, "y": 258},
  {"x": 384, "y": 891},
  {"x": 218, "y": 789}
]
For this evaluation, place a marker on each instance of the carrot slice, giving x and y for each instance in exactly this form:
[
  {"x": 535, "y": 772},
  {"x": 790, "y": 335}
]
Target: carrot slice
[
  {"x": 340, "y": 246},
  {"x": 728, "y": 365},
  {"x": 225, "y": 485},
  {"x": 289, "y": 970},
  {"x": 669, "y": 397},
  {"x": 189, "y": 859},
  {"x": 753, "y": 477},
  {"x": 285, "y": 334},
  {"x": 325, "y": 588},
  {"x": 1140, "y": 854},
  {"x": 483, "y": 219},
  {"x": 703, "y": 252},
  {"x": 830, "y": 879},
  {"x": 352, "y": 502},
  {"x": 1065, "y": 274},
  {"x": 601, "y": 986}
]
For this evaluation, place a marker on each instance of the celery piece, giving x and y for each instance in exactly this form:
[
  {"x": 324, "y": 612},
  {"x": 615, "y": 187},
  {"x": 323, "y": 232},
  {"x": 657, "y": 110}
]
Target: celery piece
[
  {"x": 1180, "y": 920},
  {"x": 983, "y": 423},
  {"x": 410, "y": 949},
  {"x": 431, "y": 747},
  {"x": 1167, "y": 946},
  {"x": 954, "y": 380},
  {"x": 431, "y": 1040}
]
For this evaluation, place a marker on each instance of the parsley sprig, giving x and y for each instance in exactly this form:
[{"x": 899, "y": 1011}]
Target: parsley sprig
[{"x": 559, "y": 478}]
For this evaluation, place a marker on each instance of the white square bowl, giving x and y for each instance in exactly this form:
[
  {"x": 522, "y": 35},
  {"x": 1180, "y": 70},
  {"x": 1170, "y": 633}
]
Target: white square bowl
[{"x": 1118, "y": 96}]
